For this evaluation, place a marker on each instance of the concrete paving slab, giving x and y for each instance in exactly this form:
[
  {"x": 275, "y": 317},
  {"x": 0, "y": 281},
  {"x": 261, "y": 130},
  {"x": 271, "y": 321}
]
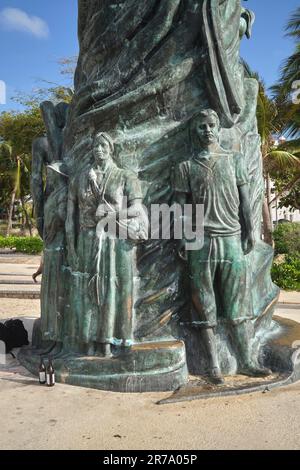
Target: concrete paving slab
[
  {"x": 18, "y": 282},
  {"x": 15, "y": 308},
  {"x": 66, "y": 417},
  {"x": 287, "y": 297},
  {"x": 289, "y": 312},
  {"x": 17, "y": 287},
  {"x": 15, "y": 269},
  {"x": 20, "y": 259}
]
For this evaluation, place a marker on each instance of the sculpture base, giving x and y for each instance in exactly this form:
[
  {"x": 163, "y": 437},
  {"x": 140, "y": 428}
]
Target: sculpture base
[
  {"x": 281, "y": 353},
  {"x": 147, "y": 367}
]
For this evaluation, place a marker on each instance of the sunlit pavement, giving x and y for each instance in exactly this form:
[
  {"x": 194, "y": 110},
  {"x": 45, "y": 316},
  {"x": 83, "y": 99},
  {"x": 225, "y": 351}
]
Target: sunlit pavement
[{"x": 65, "y": 417}]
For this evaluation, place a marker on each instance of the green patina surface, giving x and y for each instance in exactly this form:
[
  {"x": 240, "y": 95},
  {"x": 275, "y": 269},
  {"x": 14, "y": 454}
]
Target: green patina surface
[{"x": 145, "y": 70}]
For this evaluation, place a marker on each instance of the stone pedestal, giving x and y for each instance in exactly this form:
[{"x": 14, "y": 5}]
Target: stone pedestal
[{"x": 146, "y": 367}]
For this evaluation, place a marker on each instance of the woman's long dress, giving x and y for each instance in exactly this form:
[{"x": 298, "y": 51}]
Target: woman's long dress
[{"x": 107, "y": 266}]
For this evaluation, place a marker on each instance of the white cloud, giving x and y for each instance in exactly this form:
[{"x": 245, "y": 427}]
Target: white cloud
[
  {"x": 14, "y": 19},
  {"x": 2, "y": 98}
]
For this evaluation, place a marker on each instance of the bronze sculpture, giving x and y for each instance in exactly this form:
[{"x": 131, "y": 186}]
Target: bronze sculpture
[{"x": 146, "y": 69}]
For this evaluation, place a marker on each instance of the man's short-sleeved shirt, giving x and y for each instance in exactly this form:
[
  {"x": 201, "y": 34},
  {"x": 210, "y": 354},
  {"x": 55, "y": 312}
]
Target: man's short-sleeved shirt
[{"x": 214, "y": 183}]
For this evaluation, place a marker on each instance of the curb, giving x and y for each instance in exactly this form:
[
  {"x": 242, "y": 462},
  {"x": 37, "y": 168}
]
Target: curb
[
  {"x": 19, "y": 295},
  {"x": 288, "y": 304}
]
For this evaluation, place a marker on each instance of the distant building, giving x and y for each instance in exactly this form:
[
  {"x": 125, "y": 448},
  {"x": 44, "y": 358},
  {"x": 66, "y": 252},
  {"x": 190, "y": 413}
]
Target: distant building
[
  {"x": 282, "y": 214},
  {"x": 278, "y": 215}
]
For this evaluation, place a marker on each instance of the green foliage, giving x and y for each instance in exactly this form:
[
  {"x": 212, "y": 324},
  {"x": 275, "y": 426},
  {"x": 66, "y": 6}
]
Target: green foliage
[
  {"x": 28, "y": 245},
  {"x": 17, "y": 132},
  {"x": 268, "y": 117},
  {"x": 286, "y": 269},
  {"x": 293, "y": 26},
  {"x": 292, "y": 200},
  {"x": 287, "y": 239},
  {"x": 280, "y": 162},
  {"x": 19, "y": 129},
  {"x": 272, "y": 120},
  {"x": 290, "y": 73},
  {"x": 287, "y": 274},
  {"x": 283, "y": 179}
]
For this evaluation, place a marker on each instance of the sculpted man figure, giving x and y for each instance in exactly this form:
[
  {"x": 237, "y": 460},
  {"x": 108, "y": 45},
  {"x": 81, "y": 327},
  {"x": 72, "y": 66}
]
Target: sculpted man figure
[{"x": 220, "y": 287}]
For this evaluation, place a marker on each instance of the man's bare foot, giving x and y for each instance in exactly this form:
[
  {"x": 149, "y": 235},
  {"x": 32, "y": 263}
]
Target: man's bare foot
[{"x": 255, "y": 371}]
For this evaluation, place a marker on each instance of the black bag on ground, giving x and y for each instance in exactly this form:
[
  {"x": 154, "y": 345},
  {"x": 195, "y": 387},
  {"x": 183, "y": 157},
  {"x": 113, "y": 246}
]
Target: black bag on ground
[
  {"x": 13, "y": 334},
  {"x": 4, "y": 335}
]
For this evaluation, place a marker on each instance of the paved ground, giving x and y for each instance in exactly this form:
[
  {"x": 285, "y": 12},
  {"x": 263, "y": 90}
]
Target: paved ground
[
  {"x": 289, "y": 297},
  {"x": 19, "y": 259},
  {"x": 16, "y": 276},
  {"x": 290, "y": 312},
  {"x": 65, "y": 417}
]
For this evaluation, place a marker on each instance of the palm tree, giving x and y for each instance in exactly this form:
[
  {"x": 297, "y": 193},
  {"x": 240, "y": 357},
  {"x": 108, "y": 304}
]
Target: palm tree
[
  {"x": 284, "y": 158},
  {"x": 281, "y": 157},
  {"x": 13, "y": 167},
  {"x": 290, "y": 75},
  {"x": 17, "y": 132},
  {"x": 272, "y": 120}
]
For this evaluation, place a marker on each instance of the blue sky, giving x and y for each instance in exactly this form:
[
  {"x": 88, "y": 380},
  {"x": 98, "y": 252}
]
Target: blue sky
[{"x": 31, "y": 41}]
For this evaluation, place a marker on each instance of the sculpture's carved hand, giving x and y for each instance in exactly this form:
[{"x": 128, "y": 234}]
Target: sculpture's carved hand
[
  {"x": 137, "y": 229},
  {"x": 103, "y": 211},
  {"x": 138, "y": 223},
  {"x": 248, "y": 243},
  {"x": 143, "y": 233}
]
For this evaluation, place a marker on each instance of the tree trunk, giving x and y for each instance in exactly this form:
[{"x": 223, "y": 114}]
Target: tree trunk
[
  {"x": 268, "y": 188},
  {"x": 23, "y": 222},
  {"x": 27, "y": 217},
  {"x": 11, "y": 211},
  {"x": 267, "y": 224}
]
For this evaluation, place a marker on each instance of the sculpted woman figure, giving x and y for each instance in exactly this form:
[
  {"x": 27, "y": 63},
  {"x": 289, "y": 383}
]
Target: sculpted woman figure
[{"x": 103, "y": 264}]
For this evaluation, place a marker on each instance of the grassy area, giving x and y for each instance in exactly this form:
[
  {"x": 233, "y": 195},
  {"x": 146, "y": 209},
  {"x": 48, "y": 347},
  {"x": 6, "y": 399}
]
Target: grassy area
[
  {"x": 28, "y": 245},
  {"x": 286, "y": 274}
]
